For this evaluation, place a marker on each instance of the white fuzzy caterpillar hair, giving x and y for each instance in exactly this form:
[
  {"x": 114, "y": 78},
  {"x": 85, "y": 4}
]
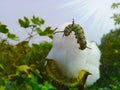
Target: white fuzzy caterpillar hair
[{"x": 71, "y": 59}]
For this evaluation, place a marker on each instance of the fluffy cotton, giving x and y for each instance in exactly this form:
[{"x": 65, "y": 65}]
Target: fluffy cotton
[{"x": 71, "y": 59}]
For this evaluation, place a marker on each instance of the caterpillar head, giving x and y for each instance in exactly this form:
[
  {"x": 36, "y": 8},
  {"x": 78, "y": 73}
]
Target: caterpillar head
[{"x": 67, "y": 30}]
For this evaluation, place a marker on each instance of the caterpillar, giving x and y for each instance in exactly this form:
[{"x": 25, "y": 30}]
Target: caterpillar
[{"x": 79, "y": 34}]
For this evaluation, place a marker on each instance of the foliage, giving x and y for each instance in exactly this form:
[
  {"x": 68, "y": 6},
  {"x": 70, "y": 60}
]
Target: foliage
[
  {"x": 18, "y": 72},
  {"x": 116, "y": 16},
  {"x": 21, "y": 65},
  {"x": 115, "y": 5},
  {"x": 34, "y": 25},
  {"x": 110, "y": 62},
  {"x": 5, "y": 30},
  {"x": 111, "y": 59}
]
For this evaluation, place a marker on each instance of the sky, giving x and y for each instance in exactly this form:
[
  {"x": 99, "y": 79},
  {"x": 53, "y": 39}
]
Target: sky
[{"x": 92, "y": 15}]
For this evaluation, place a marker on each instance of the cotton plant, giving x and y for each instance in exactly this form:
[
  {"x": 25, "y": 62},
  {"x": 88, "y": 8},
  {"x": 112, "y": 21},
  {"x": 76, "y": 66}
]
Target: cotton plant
[{"x": 71, "y": 59}]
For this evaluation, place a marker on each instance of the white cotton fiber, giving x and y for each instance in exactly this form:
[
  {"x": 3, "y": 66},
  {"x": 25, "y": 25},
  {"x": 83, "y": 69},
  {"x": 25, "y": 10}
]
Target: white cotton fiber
[{"x": 71, "y": 59}]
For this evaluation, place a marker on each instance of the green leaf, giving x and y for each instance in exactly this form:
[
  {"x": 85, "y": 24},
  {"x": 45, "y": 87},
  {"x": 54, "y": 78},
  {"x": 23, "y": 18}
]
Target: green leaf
[
  {"x": 24, "y": 23},
  {"x": 3, "y": 28},
  {"x": 1, "y": 66},
  {"x": 115, "y": 5},
  {"x": 26, "y": 19},
  {"x": 12, "y": 36},
  {"x": 37, "y": 20},
  {"x": 22, "y": 68},
  {"x": 116, "y": 18},
  {"x": 49, "y": 32},
  {"x": 40, "y": 32}
]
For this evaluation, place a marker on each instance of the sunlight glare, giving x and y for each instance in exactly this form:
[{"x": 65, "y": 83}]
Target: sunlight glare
[{"x": 93, "y": 15}]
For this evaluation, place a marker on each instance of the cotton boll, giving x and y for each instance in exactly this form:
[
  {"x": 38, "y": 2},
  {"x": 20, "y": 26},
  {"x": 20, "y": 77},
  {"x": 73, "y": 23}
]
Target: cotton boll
[{"x": 71, "y": 59}]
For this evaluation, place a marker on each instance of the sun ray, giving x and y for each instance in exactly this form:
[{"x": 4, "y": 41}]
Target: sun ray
[{"x": 93, "y": 14}]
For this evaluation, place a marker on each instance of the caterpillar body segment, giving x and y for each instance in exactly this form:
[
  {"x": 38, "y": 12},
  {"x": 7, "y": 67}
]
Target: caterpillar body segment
[{"x": 79, "y": 34}]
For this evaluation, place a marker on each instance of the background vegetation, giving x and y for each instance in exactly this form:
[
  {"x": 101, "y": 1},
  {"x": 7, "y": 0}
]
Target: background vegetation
[
  {"x": 22, "y": 66},
  {"x": 110, "y": 60}
]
